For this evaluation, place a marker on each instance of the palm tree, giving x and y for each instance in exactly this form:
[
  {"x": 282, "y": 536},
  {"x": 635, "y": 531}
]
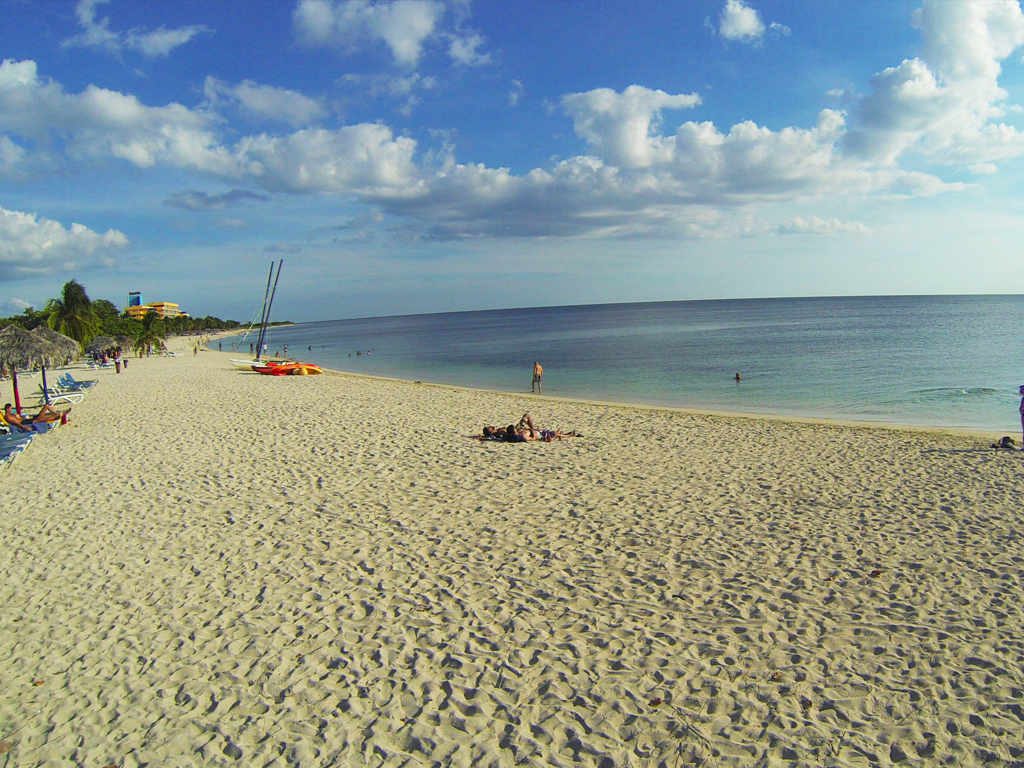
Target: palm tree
[
  {"x": 72, "y": 314},
  {"x": 152, "y": 333}
]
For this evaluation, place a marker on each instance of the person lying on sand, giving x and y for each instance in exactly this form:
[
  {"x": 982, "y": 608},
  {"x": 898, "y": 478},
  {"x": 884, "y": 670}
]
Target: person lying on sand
[
  {"x": 525, "y": 432},
  {"x": 45, "y": 416}
]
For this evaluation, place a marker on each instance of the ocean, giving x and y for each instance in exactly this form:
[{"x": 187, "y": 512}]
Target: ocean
[{"x": 944, "y": 361}]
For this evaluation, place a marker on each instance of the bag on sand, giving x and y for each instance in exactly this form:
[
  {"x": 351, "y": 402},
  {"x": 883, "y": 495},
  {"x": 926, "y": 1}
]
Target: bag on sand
[{"x": 1006, "y": 442}]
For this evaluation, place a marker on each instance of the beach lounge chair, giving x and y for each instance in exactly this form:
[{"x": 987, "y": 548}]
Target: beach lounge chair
[
  {"x": 30, "y": 429},
  {"x": 11, "y": 446},
  {"x": 7, "y": 441},
  {"x": 64, "y": 388},
  {"x": 10, "y": 441},
  {"x": 69, "y": 381},
  {"x": 58, "y": 395},
  {"x": 10, "y": 452}
]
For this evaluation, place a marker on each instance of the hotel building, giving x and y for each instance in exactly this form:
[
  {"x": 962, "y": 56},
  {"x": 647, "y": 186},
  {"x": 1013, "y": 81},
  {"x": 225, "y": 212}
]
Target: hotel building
[{"x": 163, "y": 309}]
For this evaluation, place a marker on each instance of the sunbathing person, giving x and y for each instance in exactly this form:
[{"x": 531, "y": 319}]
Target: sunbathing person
[
  {"x": 45, "y": 416},
  {"x": 531, "y": 432},
  {"x": 525, "y": 432},
  {"x": 507, "y": 434}
]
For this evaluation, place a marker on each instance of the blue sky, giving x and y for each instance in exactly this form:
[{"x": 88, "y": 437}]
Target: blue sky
[{"x": 434, "y": 156}]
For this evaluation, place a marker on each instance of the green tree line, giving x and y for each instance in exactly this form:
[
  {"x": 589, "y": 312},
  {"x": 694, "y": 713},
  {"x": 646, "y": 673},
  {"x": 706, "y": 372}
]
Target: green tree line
[{"x": 75, "y": 315}]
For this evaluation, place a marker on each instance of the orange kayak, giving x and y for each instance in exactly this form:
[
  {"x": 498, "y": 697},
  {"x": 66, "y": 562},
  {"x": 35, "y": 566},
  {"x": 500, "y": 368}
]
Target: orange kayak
[{"x": 289, "y": 369}]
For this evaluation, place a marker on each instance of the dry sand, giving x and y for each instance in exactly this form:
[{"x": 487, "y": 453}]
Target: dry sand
[{"x": 209, "y": 567}]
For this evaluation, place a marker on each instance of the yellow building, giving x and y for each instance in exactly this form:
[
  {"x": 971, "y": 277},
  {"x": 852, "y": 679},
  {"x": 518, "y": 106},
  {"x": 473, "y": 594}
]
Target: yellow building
[{"x": 163, "y": 309}]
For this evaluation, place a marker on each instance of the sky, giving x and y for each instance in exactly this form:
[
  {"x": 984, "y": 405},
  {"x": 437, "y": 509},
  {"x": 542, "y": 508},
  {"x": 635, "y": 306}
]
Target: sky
[{"x": 427, "y": 156}]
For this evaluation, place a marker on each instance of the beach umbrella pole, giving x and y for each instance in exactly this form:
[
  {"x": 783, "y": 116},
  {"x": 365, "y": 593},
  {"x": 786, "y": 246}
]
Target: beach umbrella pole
[
  {"x": 46, "y": 391},
  {"x": 14, "y": 381}
]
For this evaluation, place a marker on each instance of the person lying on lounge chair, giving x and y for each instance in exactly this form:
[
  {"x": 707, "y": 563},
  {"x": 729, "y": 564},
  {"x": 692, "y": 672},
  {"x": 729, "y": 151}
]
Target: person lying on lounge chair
[{"x": 45, "y": 416}]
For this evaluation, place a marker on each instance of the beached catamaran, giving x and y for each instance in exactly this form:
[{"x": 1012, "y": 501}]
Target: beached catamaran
[{"x": 273, "y": 367}]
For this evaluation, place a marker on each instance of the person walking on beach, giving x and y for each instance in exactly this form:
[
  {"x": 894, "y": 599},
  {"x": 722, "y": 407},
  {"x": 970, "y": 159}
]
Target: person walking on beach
[{"x": 538, "y": 374}]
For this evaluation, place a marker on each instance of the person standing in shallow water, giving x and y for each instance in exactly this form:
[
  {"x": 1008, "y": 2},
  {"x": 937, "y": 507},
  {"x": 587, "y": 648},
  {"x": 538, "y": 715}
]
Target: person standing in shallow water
[
  {"x": 1021, "y": 409},
  {"x": 538, "y": 374}
]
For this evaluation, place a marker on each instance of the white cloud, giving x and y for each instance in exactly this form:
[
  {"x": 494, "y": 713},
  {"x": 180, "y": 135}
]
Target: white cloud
[
  {"x": 637, "y": 178},
  {"x": 100, "y": 123},
  {"x": 38, "y": 246},
  {"x": 12, "y": 157},
  {"x": 740, "y": 22},
  {"x": 267, "y": 101},
  {"x": 365, "y": 159},
  {"x": 621, "y": 125},
  {"x": 96, "y": 33},
  {"x": 16, "y": 305},
  {"x": 983, "y": 169},
  {"x": 939, "y": 106},
  {"x": 515, "y": 93},
  {"x": 816, "y": 226},
  {"x": 404, "y": 88},
  {"x": 464, "y": 50},
  {"x": 404, "y": 26}
]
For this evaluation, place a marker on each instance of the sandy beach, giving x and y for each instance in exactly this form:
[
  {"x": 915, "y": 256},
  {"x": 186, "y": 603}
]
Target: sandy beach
[{"x": 214, "y": 568}]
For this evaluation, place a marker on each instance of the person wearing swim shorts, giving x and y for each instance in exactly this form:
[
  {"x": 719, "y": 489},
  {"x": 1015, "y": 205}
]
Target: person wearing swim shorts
[
  {"x": 45, "y": 416},
  {"x": 530, "y": 432},
  {"x": 538, "y": 374}
]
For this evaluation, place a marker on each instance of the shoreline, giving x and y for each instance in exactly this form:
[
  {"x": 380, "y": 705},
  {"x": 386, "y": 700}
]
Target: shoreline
[
  {"x": 787, "y": 418},
  {"x": 209, "y": 567},
  {"x": 795, "y": 418}
]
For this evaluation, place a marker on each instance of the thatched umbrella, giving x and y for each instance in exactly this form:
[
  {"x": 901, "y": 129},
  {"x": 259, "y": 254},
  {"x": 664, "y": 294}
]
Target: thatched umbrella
[
  {"x": 69, "y": 346},
  {"x": 72, "y": 347},
  {"x": 100, "y": 344},
  {"x": 125, "y": 342},
  {"x": 21, "y": 349}
]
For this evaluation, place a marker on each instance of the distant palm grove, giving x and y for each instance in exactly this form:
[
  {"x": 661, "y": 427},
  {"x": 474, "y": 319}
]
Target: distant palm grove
[{"x": 76, "y": 315}]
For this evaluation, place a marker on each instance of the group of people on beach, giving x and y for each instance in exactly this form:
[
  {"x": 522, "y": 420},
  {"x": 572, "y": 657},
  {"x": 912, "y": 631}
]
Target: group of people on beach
[{"x": 524, "y": 432}]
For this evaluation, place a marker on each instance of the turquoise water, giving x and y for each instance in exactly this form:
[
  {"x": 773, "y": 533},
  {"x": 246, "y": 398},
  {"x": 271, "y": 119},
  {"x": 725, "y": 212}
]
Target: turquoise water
[{"x": 950, "y": 361}]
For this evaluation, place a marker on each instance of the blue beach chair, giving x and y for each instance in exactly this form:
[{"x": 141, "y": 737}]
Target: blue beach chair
[
  {"x": 69, "y": 382},
  {"x": 11, "y": 447}
]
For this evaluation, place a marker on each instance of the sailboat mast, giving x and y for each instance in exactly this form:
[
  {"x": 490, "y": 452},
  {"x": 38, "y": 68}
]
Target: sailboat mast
[
  {"x": 263, "y": 313},
  {"x": 271, "y": 302}
]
